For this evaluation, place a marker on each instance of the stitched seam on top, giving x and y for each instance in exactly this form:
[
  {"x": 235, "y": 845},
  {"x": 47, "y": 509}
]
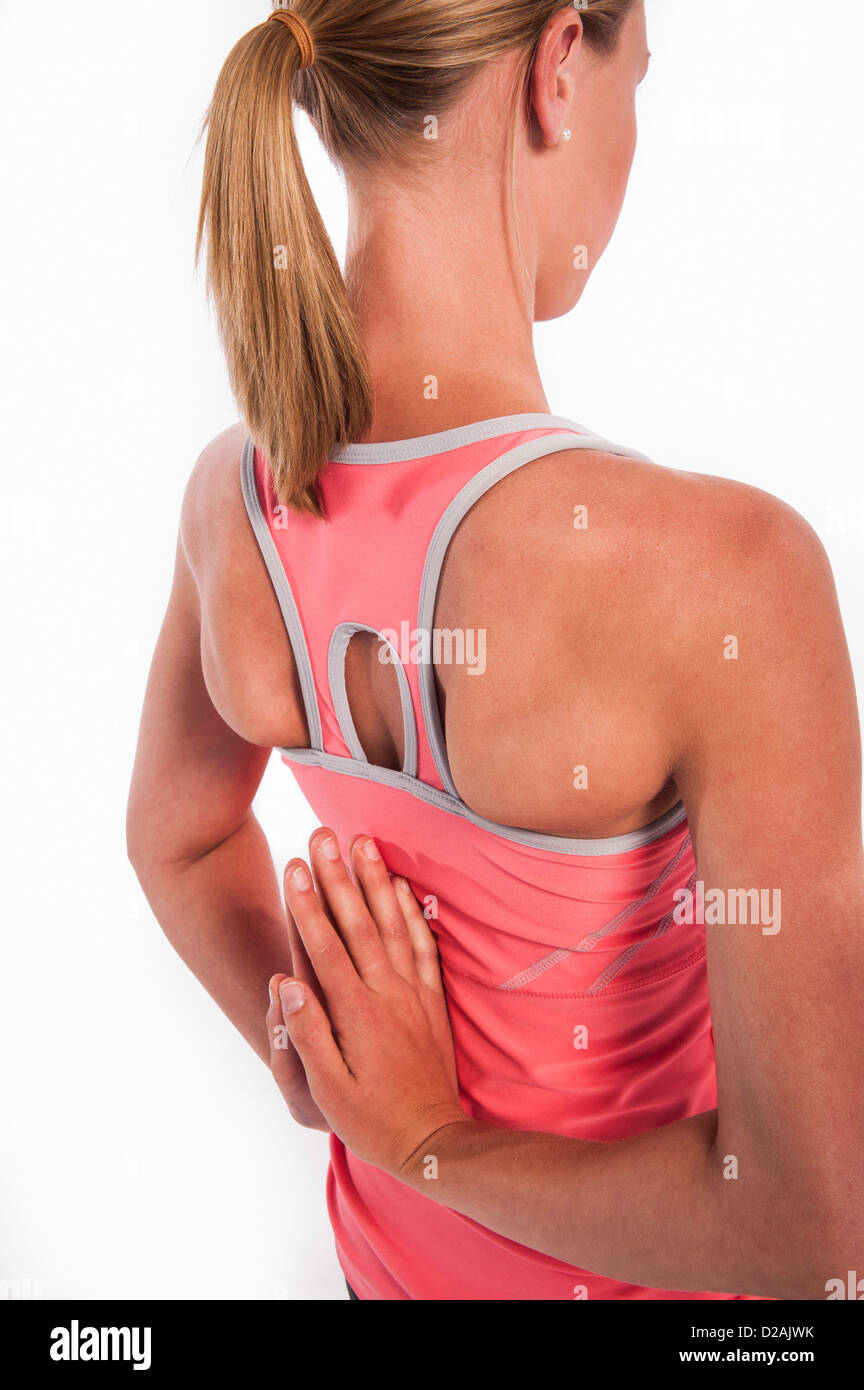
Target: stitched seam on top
[
  {"x": 614, "y": 968},
  {"x": 677, "y": 969},
  {"x": 555, "y": 958}
]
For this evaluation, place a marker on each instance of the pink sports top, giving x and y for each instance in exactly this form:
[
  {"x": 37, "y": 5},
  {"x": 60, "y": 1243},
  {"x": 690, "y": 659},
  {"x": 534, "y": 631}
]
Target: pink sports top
[{"x": 546, "y": 943}]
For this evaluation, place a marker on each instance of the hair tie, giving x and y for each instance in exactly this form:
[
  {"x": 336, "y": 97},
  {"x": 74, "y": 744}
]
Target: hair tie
[{"x": 300, "y": 30}]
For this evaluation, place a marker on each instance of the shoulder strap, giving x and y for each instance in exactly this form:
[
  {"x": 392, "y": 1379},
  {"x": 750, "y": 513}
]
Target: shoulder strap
[
  {"x": 282, "y": 588},
  {"x": 477, "y": 487}
]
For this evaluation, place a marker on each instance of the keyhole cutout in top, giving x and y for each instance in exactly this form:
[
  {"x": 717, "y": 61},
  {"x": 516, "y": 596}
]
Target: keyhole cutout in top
[{"x": 374, "y": 700}]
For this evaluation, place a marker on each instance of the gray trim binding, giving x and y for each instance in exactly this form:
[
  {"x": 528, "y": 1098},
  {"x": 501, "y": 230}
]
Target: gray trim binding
[
  {"x": 531, "y": 839},
  {"x": 402, "y": 450},
  {"x": 282, "y": 588},
  {"x": 337, "y": 652},
  {"x": 457, "y": 511}
]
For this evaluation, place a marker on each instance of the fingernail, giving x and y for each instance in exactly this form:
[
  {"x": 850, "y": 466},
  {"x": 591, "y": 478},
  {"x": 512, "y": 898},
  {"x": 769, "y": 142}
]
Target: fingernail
[
  {"x": 292, "y": 997},
  {"x": 403, "y": 884},
  {"x": 329, "y": 848},
  {"x": 300, "y": 879},
  {"x": 370, "y": 849}
]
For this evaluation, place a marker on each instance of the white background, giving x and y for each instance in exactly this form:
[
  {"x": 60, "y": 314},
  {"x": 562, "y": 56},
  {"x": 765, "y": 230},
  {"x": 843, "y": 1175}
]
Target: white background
[{"x": 144, "y": 1151}]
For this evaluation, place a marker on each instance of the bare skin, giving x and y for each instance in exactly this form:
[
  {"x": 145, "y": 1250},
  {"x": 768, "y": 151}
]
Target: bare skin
[{"x": 608, "y": 641}]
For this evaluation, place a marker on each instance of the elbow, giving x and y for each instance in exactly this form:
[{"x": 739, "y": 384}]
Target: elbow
[
  {"x": 817, "y": 1275},
  {"x": 134, "y": 844},
  {"x": 814, "y": 1252},
  {"x": 134, "y": 849},
  {"x": 830, "y": 1221},
  {"x": 141, "y": 835},
  {"x": 793, "y": 1223},
  {"x": 833, "y": 1272},
  {"x": 136, "y": 836},
  {"x": 147, "y": 845}
]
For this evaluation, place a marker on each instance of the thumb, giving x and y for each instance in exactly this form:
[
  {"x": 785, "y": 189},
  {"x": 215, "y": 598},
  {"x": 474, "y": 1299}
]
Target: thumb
[{"x": 308, "y": 1027}]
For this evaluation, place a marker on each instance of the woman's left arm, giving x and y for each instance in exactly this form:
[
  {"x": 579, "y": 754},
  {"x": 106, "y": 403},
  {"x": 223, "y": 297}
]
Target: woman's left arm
[
  {"x": 765, "y": 1195},
  {"x": 655, "y": 1210}
]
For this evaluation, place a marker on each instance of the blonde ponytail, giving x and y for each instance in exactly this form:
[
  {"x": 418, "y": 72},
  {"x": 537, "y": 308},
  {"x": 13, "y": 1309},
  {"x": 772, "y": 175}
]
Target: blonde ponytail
[{"x": 295, "y": 360}]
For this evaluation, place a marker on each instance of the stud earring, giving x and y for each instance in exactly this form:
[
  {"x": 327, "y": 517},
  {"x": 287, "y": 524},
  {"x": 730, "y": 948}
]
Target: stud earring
[{"x": 566, "y": 135}]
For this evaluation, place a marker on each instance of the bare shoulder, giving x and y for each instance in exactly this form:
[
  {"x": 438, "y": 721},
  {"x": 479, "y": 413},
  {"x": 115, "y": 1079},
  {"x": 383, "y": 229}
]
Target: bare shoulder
[
  {"x": 613, "y": 592},
  {"x": 248, "y": 663},
  {"x": 665, "y": 540},
  {"x": 744, "y": 535},
  {"x": 213, "y": 509}
]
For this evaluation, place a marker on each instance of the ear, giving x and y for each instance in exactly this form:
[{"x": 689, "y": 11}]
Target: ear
[{"x": 554, "y": 73}]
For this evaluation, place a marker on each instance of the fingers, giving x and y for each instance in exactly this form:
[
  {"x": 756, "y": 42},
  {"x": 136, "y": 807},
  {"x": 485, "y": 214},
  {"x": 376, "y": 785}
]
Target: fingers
[
  {"x": 427, "y": 967},
  {"x": 423, "y": 944},
  {"x": 287, "y": 1068},
  {"x": 383, "y": 905},
  {"x": 324, "y": 948},
  {"x": 308, "y": 1029},
  {"x": 379, "y": 924},
  {"x": 357, "y": 928},
  {"x": 301, "y": 966}
]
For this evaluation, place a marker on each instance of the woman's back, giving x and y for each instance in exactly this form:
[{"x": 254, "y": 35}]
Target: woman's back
[
  {"x": 603, "y": 586},
  {"x": 578, "y": 1001}
]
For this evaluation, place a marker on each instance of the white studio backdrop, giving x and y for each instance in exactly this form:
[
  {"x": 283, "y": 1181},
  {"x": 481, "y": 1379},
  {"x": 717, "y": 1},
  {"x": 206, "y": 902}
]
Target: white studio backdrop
[{"x": 144, "y": 1151}]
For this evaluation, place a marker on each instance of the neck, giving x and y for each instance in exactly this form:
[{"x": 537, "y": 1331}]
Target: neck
[{"x": 443, "y": 305}]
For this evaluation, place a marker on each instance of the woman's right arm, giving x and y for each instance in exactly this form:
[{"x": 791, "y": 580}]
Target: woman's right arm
[{"x": 199, "y": 853}]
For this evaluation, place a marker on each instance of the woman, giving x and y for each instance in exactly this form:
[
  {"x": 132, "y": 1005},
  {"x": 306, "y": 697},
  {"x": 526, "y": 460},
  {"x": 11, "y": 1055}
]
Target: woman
[{"x": 501, "y": 656}]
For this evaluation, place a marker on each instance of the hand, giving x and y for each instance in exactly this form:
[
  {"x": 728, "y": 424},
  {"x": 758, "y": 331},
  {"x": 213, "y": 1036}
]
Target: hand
[
  {"x": 370, "y": 1027},
  {"x": 285, "y": 1065}
]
